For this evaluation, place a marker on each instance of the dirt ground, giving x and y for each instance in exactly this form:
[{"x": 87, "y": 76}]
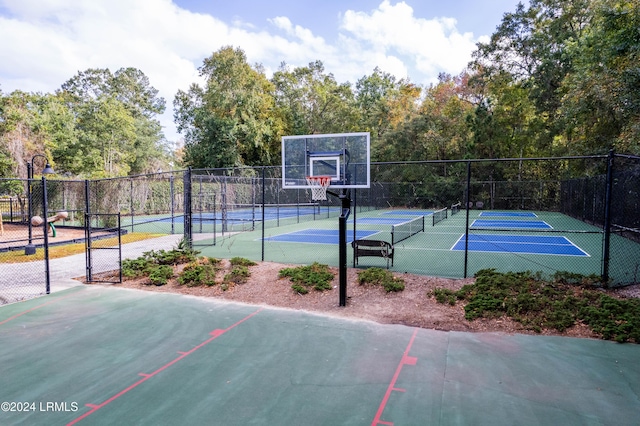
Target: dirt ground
[{"x": 415, "y": 306}]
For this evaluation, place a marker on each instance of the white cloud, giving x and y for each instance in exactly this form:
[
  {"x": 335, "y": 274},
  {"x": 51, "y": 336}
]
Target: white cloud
[
  {"x": 43, "y": 43},
  {"x": 428, "y": 46}
]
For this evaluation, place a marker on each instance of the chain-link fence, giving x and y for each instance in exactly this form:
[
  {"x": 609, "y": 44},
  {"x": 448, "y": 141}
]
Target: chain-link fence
[
  {"x": 547, "y": 215},
  {"x": 23, "y": 236},
  {"x": 103, "y": 256}
]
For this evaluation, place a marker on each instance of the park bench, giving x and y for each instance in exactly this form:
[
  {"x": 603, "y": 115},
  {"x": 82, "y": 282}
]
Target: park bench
[{"x": 373, "y": 248}]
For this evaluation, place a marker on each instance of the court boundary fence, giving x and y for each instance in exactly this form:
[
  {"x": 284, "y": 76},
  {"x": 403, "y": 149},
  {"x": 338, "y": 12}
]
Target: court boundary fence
[{"x": 601, "y": 190}]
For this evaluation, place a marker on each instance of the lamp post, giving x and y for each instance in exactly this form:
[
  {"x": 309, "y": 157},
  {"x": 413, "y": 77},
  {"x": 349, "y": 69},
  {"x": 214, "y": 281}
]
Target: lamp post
[{"x": 31, "y": 248}]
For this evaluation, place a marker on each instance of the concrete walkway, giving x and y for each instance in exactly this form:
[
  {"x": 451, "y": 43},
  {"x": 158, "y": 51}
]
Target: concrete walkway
[
  {"x": 65, "y": 269},
  {"x": 21, "y": 281}
]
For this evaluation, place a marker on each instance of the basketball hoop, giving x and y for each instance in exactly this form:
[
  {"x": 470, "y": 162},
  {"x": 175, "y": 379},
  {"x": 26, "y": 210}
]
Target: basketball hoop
[{"x": 318, "y": 185}]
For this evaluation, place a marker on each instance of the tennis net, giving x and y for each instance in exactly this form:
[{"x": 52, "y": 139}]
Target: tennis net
[
  {"x": 404, "y": 230},
  {"x": 455, "y": 208},
  {"x": 439, "y": 215}
]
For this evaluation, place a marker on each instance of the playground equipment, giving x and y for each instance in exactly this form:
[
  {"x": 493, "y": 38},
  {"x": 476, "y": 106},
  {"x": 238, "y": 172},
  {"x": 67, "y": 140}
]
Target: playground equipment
[{"x": 37, "y": 221}]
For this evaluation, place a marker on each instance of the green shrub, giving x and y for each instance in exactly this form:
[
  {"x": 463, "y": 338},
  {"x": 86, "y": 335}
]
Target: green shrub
[
  {"x": 241, "y": 261},
  {"x": 571, "y": 278},
  {"x": 179, "y": 254},
  {"x": 300, "y": 288},
  {"x": 135, "y": 268},
  {"x": 238, "y": 275},
  {"x": 315, "y": 275},
  {"x": 145, "y": 264},
  {"x": 614, "y": 319},
  {"x": 200, "y": 273},
  {"x": 171, "y": 257},
  {"x": 382, "y": 277},
  {"x": 159, "y": 275},
  {"x": 444, "y": 295},
  {"x": 538, "y": 304}
]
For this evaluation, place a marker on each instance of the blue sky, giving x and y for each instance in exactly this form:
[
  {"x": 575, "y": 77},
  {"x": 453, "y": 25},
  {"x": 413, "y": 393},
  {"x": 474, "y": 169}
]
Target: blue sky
[
  {"x": 43, "y": 43},
  {"x": 477, "y": 16}
]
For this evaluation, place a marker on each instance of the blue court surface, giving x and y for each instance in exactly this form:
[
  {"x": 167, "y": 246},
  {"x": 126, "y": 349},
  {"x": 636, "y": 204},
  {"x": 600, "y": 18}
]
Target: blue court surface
[
  {"x": 318, "y": 236},
  {"x": 510, "y": 224},
  {"x": 410, "y": 212},
  {"x": 508, "y": 214},
  {"x": 523, "y": 244}
]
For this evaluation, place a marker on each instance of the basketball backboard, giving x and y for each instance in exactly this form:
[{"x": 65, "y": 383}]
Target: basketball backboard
[{"x": 345, "y": 157}]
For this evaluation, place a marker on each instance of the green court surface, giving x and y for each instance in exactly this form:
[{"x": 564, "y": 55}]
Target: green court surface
[
  {"x": 430, "y": 252},
  {"x": 105, "y": 355}
]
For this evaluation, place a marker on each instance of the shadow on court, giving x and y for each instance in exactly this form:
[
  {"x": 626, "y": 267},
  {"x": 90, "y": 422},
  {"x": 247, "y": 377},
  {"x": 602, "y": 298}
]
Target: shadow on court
[{"x": 104, "y": 356}]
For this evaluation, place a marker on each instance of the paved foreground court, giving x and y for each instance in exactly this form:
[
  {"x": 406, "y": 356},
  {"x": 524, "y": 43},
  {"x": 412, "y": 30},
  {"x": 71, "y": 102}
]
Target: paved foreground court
[{"x": 105, "y": 356}]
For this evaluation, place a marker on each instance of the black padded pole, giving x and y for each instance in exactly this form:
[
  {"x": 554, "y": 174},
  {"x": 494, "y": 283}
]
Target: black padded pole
[{"x": 346, "y": 210}]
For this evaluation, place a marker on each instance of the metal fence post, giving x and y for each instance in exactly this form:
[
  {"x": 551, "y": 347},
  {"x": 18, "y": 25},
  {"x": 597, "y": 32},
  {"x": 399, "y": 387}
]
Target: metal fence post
[
  {"x": 87, "y": 230},
  {"x": 466, "y": 228},
  {"x": 46, "y": 235},
  {"x": 607, "y": 219},
  {"x": 188, "y": 232},
  {"x": 263, "y": 207}
]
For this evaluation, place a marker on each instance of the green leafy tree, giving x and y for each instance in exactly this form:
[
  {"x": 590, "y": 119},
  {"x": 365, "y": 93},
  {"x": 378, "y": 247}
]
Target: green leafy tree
[
  {"x": 384, "y": 103},
  {"x": 32, "y": 123},
  {"x": 312, "y": 101},
  {"x": 530, "y": 46},
  {"x": 436, "y": 129},
  {"x": 602, "y": 102},
  {"x": 445, "y": 109},
  {"x": 230, "y": 121},
  {"x": 116, "y": 129}
]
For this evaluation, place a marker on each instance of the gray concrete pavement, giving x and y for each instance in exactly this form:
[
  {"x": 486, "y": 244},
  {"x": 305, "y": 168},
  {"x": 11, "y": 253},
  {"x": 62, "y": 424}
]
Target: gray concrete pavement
[
  {"x": 20, "y": 281},
  {"x": 65, "y": 269}
]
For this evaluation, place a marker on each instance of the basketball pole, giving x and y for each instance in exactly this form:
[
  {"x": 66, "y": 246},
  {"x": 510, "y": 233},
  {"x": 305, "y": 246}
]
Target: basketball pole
[
  {"x": 342, "y": 227},
  {"x": 345, "y": 211}
]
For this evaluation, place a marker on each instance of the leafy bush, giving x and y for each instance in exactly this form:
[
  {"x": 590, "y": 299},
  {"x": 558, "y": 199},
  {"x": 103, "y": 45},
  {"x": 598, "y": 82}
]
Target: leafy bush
[
  {"x": 565, "y": 277},
  {"x": 315, "y": 275},
  {"x": 382, "y": 277},
  {"x": 147, "y": 264},
  {"x": 614, "y": 319},
  {"x": 159, "y": 275},
  {"x": 444, "y": 295},
  {"x": 241, "y": 261},
  {"x": 135, "y": 268},
  {"x": 238, "y": 275},
  {"x": 540, "y": 304},
  {"x": 179, "y": 254},
  {"x": 299, "y": 288},
  {"x": 199, "y": 273}
]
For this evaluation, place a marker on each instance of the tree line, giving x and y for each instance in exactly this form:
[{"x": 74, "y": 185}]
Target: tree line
[{"x": 559, "y": 77}]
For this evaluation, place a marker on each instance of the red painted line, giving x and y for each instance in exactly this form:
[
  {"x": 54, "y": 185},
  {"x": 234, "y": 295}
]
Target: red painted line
[
  {"x": 409, "y": 360},
  {"x": 214, "y": 335},
  {"x": 406, "y": 360},
  {"x": 34, "y": 308}
]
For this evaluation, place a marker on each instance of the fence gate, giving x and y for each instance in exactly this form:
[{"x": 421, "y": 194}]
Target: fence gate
[
  {"x": 205, "y": 217},
  {"x": 103, "y": 247}
]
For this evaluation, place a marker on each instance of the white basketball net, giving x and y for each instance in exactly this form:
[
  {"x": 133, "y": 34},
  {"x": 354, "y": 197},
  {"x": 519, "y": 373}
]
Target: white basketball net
[{"x": 318, "y": 185}]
